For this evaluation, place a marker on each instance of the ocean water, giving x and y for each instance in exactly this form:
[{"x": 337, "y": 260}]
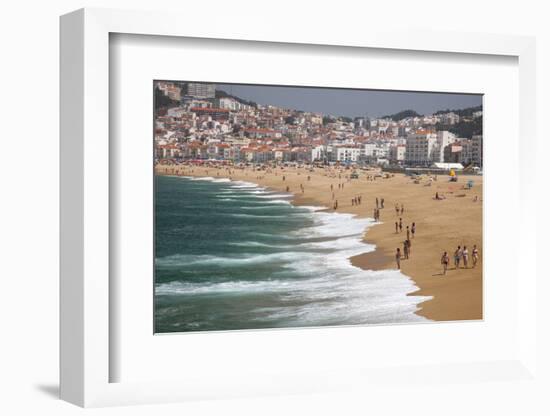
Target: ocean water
[{"x": 233, "y": 255}]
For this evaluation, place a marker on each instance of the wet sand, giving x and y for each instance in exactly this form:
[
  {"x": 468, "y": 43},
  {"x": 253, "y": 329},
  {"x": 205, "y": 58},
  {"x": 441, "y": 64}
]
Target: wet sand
[{"x": 441, "y": 225}]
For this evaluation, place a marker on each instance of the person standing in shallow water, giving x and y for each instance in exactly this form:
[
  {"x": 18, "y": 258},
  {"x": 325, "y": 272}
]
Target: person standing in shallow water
[{"x": 398, "y": 258}]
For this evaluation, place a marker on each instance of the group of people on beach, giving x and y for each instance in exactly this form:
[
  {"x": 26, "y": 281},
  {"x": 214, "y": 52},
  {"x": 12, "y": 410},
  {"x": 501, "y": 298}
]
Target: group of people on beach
[
  {"x": 411, "y": 231},
  {"x": 460, "y": 254},
  {"x": 398, "y": 210},
  {"x": 356, "y": 200}
]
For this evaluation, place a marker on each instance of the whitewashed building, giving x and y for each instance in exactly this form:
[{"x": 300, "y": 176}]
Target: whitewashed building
[
  {"x": 347, "y": 154},
  {"x": 420, "y": 148},
  {"x": 397, "y": 154}
]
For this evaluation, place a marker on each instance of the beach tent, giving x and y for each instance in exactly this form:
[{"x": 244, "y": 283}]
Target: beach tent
[{"x": 449, "y": 166}]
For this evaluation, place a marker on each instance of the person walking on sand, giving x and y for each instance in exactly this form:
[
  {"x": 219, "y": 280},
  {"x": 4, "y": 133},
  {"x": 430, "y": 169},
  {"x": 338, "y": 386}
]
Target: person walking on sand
[
  {"x": 457, "y": 256},
  {"x": 465, "y": 257},
  {"x": 398, "y": 258},
  {"x": 475, "y": 256},
  {"x": 408, "y": 233},
  {"x": 396, "y": 227},
  {"x": 382, "y": 203},
  {"x": 445, "y": 262},
  {"x": 397, "y": 210},
  {"x": 406, "y": 249},
  {"x": 413, "y": 229},
  {"x": 376, "y": 202},
  {"x": 402, "y": 209},
  {"x": 400, "y": 224}
]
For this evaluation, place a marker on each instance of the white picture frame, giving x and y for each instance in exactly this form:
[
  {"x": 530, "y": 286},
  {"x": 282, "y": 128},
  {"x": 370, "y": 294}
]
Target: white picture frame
[{"x": 85, "y": 216}]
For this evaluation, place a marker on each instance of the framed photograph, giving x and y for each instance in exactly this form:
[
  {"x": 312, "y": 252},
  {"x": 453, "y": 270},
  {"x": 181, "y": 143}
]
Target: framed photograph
[
  {"x": 281, "y": 213},
  {"x": 269, "y": 216}
]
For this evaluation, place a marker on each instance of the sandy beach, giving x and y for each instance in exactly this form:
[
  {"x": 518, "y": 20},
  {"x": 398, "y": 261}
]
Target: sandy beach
[{"x": 441, "y": 225}]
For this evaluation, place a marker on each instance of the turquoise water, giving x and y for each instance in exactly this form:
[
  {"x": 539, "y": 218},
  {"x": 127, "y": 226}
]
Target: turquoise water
[{"x": 232, "y": 255}]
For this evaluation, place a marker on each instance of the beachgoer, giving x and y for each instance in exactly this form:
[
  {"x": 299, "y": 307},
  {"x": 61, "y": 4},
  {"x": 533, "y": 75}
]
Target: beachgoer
[
  {"x": 465, "y": 257},
  {"x": 382, "y": 202},
  {"x": 475, "y": 255},
  {"x": 457, "y": 256},
  {"x": 408, "y": 233},
  {"x": 406, "y": 249},
  {"x": 400, "y": 224},
  {"x": 402, "y": 209},
  {"x": 413, "y": 229},
  {"x": 396, "y": 227},
  {"x": 445, "y": 262},
  {"x": 398, "y": 258},
  {"x": 397, "y": 210},
  {"x": 377, "y": 202}
]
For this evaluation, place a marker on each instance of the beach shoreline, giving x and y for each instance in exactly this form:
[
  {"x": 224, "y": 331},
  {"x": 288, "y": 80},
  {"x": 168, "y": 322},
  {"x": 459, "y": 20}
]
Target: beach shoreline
[{"x": 454, "y": 297}]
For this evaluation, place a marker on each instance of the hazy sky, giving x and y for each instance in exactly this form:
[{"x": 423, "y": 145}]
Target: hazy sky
[{"x": 351, "y": 103}]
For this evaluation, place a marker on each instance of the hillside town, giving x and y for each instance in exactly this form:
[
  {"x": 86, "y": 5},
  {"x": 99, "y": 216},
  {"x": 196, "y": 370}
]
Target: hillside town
[{"x": 197, "y": 122}]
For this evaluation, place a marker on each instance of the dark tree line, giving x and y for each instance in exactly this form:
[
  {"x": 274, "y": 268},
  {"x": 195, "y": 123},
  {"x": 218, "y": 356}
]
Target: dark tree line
[
  {"x": 163, "y": 101},
  {"x": 403, "y": 114},
  {"x": 465, "y": 129},
  {"x": 465, "y": 112}
]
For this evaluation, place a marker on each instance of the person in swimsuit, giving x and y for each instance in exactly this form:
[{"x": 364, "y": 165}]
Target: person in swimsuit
[
  {"x": 408, "y": 233},
  {"x": 457, "y": 256},
  {"x": 400, "y": 224},
  {"x": 413, "y": 229},
  {"x": 445, "y": 262},
  {"x": 396, "y": 227},
  {"x": 475, "y": 255},
  {"x": 398, "y": 258},
  {"x": 406, "y": 248},
  {"x": 465, "y": 257}
]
